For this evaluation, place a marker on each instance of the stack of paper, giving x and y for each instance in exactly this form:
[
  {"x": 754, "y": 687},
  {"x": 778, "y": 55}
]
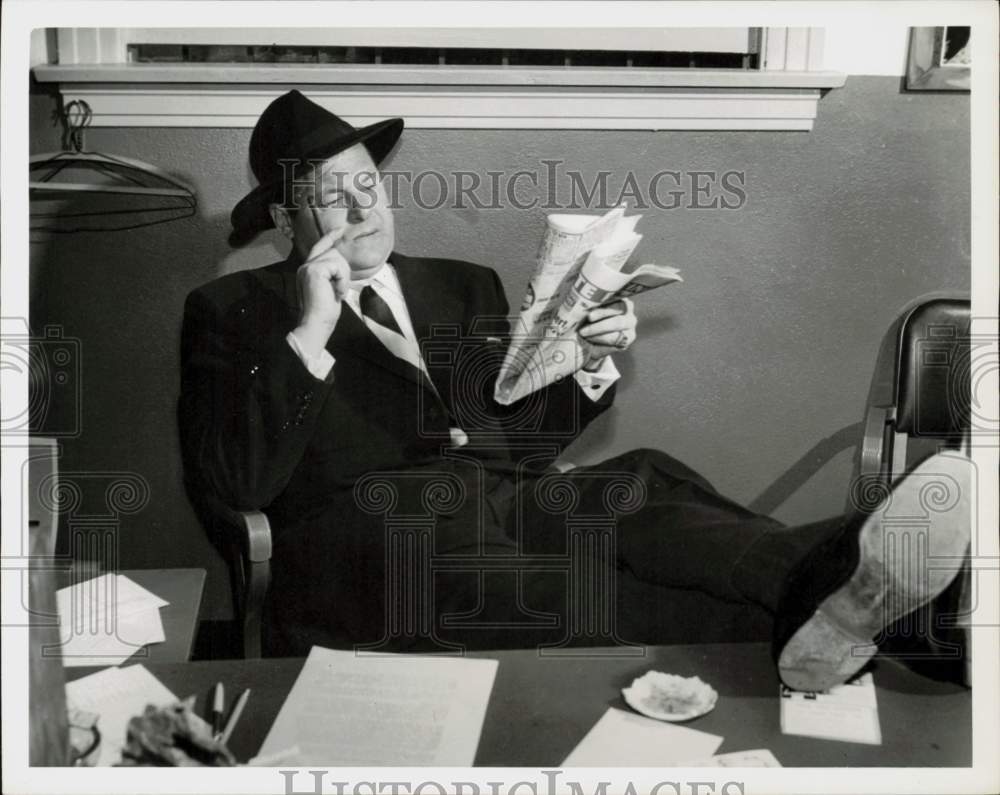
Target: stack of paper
[
  {"x": 104, "y": 621},
  {"x": 848, "y": 712},
  {"x": 379, "y": 710},
  {"x": 117, "y": 695}
]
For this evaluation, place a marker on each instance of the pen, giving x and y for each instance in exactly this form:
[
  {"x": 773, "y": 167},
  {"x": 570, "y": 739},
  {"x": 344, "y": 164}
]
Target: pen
[
  {"x": 234, "y": 716},
  {"x": 218, "y": 708}
]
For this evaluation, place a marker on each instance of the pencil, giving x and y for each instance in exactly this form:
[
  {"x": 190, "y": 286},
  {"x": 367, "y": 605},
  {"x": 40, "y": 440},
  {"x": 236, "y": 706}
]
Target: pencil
[
  {"x": 234, "y": 716},
  {"x": 218, "y": 707}
]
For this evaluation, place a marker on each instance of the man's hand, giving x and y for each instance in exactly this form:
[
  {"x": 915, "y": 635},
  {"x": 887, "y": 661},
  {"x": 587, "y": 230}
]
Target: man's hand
[
  {"x": 608, "y": 329},
  {"x": 323, "y": 281}
]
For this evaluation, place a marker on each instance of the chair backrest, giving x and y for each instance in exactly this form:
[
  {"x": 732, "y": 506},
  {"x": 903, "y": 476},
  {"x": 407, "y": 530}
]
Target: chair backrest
[
  {"x": 920, "y": 394},
  {"x": 932, "y": 370}
]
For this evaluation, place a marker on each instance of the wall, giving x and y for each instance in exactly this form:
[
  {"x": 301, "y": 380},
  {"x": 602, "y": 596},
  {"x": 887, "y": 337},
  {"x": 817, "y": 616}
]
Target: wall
[{"x": 766, "y": 349}]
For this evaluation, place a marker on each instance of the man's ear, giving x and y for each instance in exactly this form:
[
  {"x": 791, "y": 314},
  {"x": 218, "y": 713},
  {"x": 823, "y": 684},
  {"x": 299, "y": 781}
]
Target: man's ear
[{"x": 282, "y": 220}]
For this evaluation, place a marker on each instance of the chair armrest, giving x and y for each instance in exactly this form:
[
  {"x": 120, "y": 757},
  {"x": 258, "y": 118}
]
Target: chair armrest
[
  {"x": 871, "y": 465},
  {"x": 258, "y": 535},
  {"x": 256, "y": 560},
  {"x": 248, "y": 536},
  {"x": 871, "y": 460}
]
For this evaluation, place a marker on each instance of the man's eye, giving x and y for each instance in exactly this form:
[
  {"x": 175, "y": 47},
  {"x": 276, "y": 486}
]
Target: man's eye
[{"x": 332, "y": 200}]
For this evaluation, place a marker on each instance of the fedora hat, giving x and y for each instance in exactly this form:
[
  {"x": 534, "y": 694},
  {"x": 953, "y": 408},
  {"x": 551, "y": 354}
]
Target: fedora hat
[{"x": 294, "y": 127}]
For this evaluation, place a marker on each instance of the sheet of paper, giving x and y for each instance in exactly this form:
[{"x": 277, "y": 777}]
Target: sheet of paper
[
  {"x": 757, "y": 757},
  {"x": 624, "y": 739},
  {"x": 401, "y": 710},
  {"x": 117, "y": 695},
  {"x": 127, "y": 595},
  {"x": 104, "y": 620},
  {"x": 106, "y": 646},
  {"x": 847, "y": 712}
]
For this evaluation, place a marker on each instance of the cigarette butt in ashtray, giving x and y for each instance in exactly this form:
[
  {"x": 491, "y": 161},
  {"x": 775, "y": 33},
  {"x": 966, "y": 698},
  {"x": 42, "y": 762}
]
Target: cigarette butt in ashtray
[{"x": 670, "y": 697}]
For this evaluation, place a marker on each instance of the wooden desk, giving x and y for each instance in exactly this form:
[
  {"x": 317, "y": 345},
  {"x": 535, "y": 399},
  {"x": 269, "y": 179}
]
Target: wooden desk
[
  {"x": 541, "y": 708},
  {"x": 183, "y": 589}
]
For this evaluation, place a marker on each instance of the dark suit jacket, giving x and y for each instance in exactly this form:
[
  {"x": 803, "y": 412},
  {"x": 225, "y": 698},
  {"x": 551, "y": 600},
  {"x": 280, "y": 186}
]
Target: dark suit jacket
[{"x": 258, "y": 431}]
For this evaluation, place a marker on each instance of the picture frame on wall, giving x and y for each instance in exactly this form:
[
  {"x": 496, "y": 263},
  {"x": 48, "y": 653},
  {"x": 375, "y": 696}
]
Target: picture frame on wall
[{"x": 939, "y": 59}]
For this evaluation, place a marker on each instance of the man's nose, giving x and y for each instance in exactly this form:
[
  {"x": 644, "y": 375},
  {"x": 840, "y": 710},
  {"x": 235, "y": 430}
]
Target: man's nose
[{"x": 360, "y": 209}]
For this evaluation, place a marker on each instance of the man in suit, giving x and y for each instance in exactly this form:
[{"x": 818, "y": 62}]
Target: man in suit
[{"x": 348, "y": 391}]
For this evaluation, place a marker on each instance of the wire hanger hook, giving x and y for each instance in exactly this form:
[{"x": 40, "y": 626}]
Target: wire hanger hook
[{"x": 78, "y": 116}]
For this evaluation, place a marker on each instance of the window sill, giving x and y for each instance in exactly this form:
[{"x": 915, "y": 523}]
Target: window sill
[{"x": 233, "y": 95}]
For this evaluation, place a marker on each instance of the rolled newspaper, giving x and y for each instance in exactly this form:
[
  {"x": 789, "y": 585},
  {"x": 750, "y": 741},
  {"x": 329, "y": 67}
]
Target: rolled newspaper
[{"x": 582, "y": 262}]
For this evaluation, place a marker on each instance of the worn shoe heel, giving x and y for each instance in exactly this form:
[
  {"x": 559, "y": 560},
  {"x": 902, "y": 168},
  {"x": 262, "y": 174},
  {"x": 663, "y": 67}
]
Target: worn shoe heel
[{"x": 906, "y": 552}]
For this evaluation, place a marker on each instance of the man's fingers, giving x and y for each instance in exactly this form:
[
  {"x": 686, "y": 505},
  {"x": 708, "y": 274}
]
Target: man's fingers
[
  {"x": 609, "y": 325},
  {"x": 341, "y": 279},
  {"x": 601, "y": 312},
  {"x": 325, "y": 243},
  {"x": 330, "y": 267},
  {"x": 622, "y": 306},
  {"x": 616, "y": 339}
]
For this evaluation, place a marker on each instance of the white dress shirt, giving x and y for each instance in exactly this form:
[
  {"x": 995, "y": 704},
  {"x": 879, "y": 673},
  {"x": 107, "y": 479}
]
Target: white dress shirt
[{"x": 386, "y": 284}]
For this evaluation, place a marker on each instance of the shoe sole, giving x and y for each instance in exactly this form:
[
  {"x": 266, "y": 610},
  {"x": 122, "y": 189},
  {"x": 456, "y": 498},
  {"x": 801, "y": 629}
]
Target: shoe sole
[{"x": 891, "y": 578}]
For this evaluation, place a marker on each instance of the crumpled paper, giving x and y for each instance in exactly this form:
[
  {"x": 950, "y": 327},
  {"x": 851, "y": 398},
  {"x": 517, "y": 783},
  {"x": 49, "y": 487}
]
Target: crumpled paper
[{"x": 173, "y": 736}]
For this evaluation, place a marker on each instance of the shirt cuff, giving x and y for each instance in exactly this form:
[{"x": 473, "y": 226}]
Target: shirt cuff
[
  {"x": 319, "y": 366},
  {"x": 595, "y": 384}
]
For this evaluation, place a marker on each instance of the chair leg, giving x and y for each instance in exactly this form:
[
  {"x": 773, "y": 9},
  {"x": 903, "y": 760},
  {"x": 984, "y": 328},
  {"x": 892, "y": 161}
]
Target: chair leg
[{"x": 258, "y": 579}]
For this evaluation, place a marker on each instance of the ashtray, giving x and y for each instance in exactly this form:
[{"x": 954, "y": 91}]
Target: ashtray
[{"x": 670, "y": 697}]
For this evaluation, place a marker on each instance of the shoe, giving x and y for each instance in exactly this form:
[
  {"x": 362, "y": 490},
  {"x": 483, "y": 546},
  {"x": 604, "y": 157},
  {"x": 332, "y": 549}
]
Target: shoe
[{"x": 837, "y": 601}]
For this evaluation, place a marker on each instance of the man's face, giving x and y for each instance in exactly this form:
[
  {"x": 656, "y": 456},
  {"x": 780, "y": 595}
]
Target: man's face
[{"x": 343, "y": 194}]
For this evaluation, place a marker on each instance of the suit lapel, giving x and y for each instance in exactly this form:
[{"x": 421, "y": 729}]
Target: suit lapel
[
  {"x": 422, "y": 298},
  {"x": 352, "y": 337},
  {"x": 428, "y": 304}
]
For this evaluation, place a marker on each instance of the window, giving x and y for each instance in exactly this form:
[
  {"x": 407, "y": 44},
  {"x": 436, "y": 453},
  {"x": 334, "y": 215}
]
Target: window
[{"x": 586, "y": 78}]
